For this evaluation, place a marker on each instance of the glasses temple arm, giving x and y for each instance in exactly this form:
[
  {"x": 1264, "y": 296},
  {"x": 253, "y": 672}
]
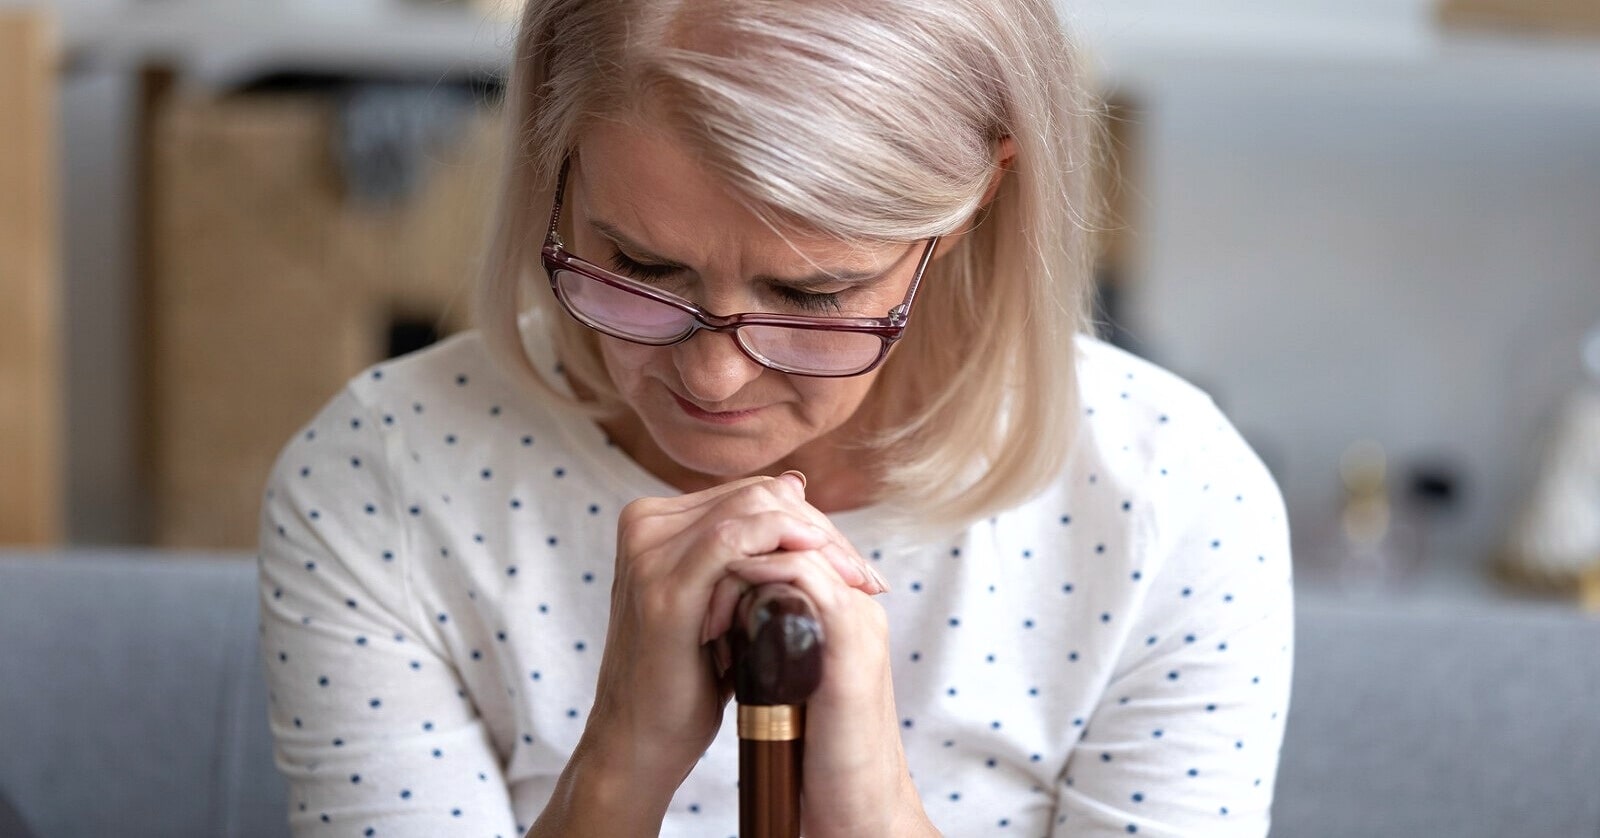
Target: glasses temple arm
[
  {"x": 900, "y": 311},
  {"x": 551, "y": 236}
]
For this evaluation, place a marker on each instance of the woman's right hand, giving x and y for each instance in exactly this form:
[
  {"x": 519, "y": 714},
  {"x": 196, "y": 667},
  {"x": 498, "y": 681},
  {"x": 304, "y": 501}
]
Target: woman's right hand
[{"x": 662, "y": 690}]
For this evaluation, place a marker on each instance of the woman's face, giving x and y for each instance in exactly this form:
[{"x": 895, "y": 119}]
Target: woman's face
[{"x": 704, "y": 412}]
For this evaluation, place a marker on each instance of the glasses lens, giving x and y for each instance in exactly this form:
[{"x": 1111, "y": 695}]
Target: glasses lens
[
  {"x": 812, "y": 351},
  {"x": 621, "y": 313}
]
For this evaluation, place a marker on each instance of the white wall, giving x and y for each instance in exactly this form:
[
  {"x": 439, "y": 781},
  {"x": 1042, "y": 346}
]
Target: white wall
[{"x": 1372, "y": 260}]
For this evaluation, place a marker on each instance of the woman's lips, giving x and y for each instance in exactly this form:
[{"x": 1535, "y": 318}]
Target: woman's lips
[{"x": 729, "y": 417}]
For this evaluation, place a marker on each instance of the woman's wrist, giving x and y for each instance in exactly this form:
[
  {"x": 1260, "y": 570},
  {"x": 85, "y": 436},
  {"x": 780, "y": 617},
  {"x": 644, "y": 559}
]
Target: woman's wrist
[
  {"x": 913, "y": 823},
  {"x": 606, "y": 790},
  {"x": 912, "y": 820}
]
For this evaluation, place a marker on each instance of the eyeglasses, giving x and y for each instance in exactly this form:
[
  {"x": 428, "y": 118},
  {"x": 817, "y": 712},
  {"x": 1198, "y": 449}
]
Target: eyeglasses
[{"x": 824, "y": 347}]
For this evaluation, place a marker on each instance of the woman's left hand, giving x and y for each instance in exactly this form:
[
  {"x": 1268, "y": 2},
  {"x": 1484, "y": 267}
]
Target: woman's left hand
[{"x": 855, "y": 778}]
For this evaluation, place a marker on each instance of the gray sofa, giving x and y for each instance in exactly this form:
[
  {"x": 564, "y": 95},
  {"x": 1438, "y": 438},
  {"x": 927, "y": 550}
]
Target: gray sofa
[{"x": 132, "y": 704}]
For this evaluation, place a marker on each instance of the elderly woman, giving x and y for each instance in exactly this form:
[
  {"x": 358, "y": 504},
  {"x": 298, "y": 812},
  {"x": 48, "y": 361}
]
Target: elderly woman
[{"x": 780, "y": 291}]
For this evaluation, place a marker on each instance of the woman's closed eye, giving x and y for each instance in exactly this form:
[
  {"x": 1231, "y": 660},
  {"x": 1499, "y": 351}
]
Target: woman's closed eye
[
  {"x": 810, "y": 301},
  {"x": 640, "y": 270},
  {"x": 797, "y": 298}
]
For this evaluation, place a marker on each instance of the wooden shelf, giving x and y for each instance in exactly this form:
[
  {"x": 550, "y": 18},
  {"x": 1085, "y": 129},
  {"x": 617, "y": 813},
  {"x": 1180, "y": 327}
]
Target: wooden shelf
[
  {"x": 30, "y": 407},
  {"x": 1566, "y": 18}
]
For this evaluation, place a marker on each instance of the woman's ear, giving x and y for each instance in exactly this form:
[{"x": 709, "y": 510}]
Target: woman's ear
[{"x": 1005, "y": 157}]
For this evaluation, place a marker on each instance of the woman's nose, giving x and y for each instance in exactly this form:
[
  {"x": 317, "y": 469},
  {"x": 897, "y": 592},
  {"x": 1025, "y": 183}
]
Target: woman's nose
[{"x": 713, "y": 368}]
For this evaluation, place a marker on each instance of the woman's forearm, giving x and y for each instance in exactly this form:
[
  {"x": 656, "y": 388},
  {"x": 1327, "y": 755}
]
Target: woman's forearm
[{"x": 599, "y": 795}]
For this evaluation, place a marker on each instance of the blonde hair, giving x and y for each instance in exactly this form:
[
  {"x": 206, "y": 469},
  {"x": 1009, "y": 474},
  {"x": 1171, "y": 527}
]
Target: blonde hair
[{"x": 867, "y": 120}]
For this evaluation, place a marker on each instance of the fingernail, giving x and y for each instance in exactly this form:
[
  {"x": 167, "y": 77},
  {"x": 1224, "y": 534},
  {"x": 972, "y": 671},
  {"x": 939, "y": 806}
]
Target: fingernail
[
  {"x": 883, "y": 584},
  {"x": 798, "y": 477}
]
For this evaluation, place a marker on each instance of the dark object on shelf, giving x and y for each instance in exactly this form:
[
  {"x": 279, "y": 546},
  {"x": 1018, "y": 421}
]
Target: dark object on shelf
[
  {"x": 1434, "y": 487},
  {"x": 387, "y": 135},
  {"x": 409, "y": 334}
]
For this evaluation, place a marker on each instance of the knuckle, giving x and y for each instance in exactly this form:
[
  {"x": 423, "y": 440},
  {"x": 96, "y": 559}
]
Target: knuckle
[
  {"x": 632, "y": 521},
  {"x": 756, "y": 497},
  {"x": 636, "y": 511},
  {"x": 727, "y": 534},
  {"x": 641, "y": 534}
]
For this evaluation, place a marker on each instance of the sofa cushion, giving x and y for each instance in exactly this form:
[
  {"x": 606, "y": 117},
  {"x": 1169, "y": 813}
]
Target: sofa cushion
[
  {"x": 11, "y": 825},
  {"x": 133, "y": 698},
  {"x": 1472, "y": 718},
  {"x": 132, "y": 704}
]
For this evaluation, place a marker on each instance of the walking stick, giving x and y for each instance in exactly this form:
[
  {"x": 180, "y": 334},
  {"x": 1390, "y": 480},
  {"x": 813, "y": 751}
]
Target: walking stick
[{"x": 776, "y": 644}]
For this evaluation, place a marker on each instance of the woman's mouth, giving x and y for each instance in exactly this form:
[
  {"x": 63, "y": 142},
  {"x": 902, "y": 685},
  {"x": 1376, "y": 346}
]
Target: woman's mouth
[{"x": 728, "y": 417}]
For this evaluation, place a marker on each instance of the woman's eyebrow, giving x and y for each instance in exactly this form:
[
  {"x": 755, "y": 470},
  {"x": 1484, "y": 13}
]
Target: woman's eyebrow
[
  {"x": 631, "y": 247},
  {"x": 819, "y": 278},
  {"x": 637, "y": 251}
]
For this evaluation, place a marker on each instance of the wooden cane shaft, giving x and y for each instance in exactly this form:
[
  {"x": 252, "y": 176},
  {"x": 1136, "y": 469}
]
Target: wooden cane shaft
[
  {"x": 769, "y": 788},
  {"x": 776, "y": 643}
]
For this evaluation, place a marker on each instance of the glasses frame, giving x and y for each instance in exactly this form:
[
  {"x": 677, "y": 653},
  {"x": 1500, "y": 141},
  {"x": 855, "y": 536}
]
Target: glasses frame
[{"x": 555, "y": 257}]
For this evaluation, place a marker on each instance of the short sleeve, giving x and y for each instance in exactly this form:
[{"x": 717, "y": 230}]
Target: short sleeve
[
  {"x": 1185, "y": 739},
  {"x": 372, "y": 725}
]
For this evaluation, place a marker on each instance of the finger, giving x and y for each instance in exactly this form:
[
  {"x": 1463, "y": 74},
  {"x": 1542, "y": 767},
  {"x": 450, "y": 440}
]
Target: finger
[
  {"x": 797, "y": 477},
  {"x": 787, "y": 491},
  {"x": 706, "y": 497},
  {"x": 849, "y": 566},
  {"x": 847, "y": 559},
  {"x": 719, "y": 614},
  {"x": 852, "y": 569},
  {"x": 705, "y": 551},
  {"x": 808, "y": 570},
  {"x": 725, "y": 596},
  {"x": 648, "y": 522}
]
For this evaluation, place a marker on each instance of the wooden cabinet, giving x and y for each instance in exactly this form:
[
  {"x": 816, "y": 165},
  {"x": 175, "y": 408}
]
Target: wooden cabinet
[
  {"x": 266, "y": 289},
  {"x": 1557, "y": 17},
  {"x": 31, "y": 415}
]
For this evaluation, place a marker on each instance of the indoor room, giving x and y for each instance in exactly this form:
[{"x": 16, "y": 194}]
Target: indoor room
[{"x": 1268, "y": 328}]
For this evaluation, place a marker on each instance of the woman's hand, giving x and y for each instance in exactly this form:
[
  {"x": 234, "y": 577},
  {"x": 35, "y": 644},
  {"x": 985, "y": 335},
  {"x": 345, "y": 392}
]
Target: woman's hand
[
  {"x": 855, "y": 778},
  {"x": 661, "y": 694}
]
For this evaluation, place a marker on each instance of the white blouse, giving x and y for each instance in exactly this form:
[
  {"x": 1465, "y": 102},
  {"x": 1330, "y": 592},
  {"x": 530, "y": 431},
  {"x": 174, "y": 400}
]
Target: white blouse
[{"x": 1111, "y": 657}]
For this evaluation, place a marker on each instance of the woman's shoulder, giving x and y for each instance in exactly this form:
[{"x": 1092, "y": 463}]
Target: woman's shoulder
[
  {"x": 454, "y": 382},
  {"x": 455, "y": 370},
  {"x": 449, "y": 394},
  {"x": 1112, "y": 379},
  {"x": 1149, "y": 433}
]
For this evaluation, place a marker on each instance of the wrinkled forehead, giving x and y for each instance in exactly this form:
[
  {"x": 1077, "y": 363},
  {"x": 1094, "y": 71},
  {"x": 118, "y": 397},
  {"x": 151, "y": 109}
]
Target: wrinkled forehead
[{"x": 641, "y": 188}]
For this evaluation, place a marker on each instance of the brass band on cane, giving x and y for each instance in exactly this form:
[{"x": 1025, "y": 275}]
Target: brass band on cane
[{"x": 779, "y": 723}]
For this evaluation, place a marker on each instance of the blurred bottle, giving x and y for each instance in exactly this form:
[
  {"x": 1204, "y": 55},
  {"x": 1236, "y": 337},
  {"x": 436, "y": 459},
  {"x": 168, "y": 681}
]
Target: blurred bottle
[
  {"x": 1366, "y": 555},
  {"x": 1555, "y": 540},
  {"x": 1433, "y": 494}
]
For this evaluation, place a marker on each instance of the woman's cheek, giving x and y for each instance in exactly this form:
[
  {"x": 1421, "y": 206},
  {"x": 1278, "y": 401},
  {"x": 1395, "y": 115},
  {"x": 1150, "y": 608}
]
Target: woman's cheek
[{"x": 626, "y": 362}]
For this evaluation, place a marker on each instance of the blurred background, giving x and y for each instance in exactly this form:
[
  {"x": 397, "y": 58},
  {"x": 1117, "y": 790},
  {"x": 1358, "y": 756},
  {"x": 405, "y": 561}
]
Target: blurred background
[{"x": 1370, "y": 228}]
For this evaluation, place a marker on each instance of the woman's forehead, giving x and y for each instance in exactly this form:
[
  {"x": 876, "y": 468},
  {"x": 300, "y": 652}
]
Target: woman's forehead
[{"x": 647, "y": 191}]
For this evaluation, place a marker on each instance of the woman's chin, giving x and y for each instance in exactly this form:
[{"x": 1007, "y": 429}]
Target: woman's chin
[{"x": 719, "y": 463}]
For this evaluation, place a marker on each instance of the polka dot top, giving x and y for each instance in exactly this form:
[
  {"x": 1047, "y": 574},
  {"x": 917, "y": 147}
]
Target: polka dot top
[{"x": 1112, "y": 657}]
